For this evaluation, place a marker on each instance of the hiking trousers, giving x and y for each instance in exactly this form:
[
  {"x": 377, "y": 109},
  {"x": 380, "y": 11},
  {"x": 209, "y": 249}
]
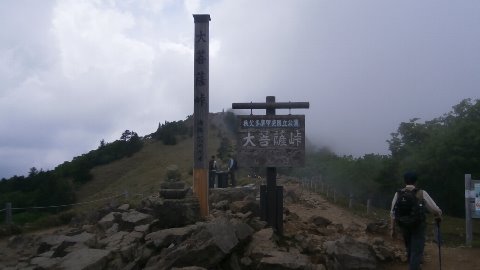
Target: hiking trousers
[{"x": 414, "y": 243}]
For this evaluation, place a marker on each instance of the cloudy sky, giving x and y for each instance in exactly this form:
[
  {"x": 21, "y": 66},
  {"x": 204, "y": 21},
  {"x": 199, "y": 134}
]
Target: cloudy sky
[{"x": 75, "y": 72}]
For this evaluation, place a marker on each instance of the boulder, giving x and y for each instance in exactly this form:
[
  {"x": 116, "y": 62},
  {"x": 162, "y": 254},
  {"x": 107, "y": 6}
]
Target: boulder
[
  {"x": 63, "y": 249},
  {"x": 291, "y": 196},
  {"x": 242, "y": 230},
  {"x": 86, "y": 259},
  {"x": 189, "y": 268},
  {"x": 85, "y": 238},
  {"x": 378, "y": 227},
  {"x": 284, "y": 261},
  {"x": 262, "y": 244},
  {"x": 107, "y": 221},
  {"x": 60, "y": 243},
  {"x": 209, "y": 245},
  {"x": 230, "y": 194},
  {"x": 124, "y": 207},
  {"x": 44, "y": 262},
  {"x": 171, "y": 213},
  {"x": 164, "y": 238},
  {"x": 221, "y": 205},
  {"x": 257, "y": 224},
  {"x": 382, "y": 251},
  {"x": 319, "y": 221},
  {"x": 133, "y": 218},
  {"x": 347, "y": 253},
  {"x": 245, "y": 207}
]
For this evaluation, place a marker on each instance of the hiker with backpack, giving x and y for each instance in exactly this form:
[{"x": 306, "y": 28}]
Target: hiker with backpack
[{"x": 408, "y": 212}]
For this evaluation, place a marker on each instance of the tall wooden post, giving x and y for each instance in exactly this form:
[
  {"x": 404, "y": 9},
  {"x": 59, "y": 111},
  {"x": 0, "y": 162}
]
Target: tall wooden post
[{"x": 200, "y": 112}]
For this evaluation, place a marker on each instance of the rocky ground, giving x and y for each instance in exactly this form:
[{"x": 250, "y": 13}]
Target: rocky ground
[{"x": 165, "y": 232}]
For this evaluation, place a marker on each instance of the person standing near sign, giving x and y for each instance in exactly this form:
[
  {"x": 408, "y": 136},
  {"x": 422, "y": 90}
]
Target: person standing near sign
[
  {"x": 212, "y": 171},
  {"x": 408, "y": 211},
  {"x": 232, "y": 167}
]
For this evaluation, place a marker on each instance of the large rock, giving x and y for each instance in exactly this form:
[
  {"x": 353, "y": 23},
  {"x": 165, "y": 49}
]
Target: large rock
[
  {"x": 124, "y": 243},
  {"x": 230, "y": 194},
  {"x": 262, "y": 244},
  {"x": 319, "y": 221},
  {"x": 167, "y": 237},
  {"x": 133, "y": 218},
  {"x": 207, "y": 247},
  {"x": 60, "y": 243},
  {"x": 172, "y": 213},
  {"x": 347, "y": 253},
  {"x": 245, "y": 207},
  {"x": 189, "y": 268},
  {"x": 242, "y": 230},
  {"x": 378, "y": 227},
  {"x": 284, "y": 261},
  {"x": 86, "y": 259},
  {"x": 382, "y": 251},
  {"x": 107, "y": 221},
  {"x": 44, "y": 262}
]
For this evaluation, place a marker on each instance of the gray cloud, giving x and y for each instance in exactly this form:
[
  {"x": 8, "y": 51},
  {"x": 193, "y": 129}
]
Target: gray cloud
[{"x": 76, "y": 72}]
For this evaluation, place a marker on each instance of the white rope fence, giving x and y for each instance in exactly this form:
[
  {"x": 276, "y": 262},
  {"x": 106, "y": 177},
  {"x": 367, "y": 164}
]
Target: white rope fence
[
  {"x": 319, "y": 187},
  {"x": 8, "y": 206}
]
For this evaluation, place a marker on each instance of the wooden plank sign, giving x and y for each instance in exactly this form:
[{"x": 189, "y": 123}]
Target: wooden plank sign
[
  {"x": 271, "y": 140},
  {"x": 200, "y": 110}
]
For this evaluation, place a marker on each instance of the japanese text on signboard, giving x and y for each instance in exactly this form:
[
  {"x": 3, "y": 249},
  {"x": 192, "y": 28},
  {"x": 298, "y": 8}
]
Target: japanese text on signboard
[{"x": 273, "y": 140}]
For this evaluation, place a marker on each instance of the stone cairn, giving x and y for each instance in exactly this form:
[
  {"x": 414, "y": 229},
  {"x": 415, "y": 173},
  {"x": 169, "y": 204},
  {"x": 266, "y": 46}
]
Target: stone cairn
[
  {"x": 176, "y": 206},
  {"x": 173, "y": 187}
]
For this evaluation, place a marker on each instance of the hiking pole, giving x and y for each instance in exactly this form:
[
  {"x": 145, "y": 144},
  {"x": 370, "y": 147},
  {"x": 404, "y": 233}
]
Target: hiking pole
[{"x": 439, "y": 242}]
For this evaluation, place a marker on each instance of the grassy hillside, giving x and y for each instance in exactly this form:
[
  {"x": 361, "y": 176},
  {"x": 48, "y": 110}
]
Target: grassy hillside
[{"x": 143, "y": 172}]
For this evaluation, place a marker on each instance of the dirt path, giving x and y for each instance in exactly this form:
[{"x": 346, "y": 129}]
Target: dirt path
[{"x": 452, "y": 258}]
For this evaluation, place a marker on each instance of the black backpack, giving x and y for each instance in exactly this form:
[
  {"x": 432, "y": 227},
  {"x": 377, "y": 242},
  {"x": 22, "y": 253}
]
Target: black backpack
[
  {"x": 410, "y": 208},
  {"x": 211, "y": 165}
]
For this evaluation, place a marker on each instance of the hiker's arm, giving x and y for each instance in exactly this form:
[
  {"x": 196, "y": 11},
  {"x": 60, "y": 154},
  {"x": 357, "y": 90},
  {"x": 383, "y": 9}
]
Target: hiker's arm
[
  {"x": 392, "y": 216},
  {"x": 431, "y": 205}
]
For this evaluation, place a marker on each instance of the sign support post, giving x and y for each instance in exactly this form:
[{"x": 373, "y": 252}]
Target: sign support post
[
  {"x": 200, "y": 111},
  {"x": 468, "y": 216},
  {"x": 472, "y": 206},
  {"x": 285, "y": 151}
]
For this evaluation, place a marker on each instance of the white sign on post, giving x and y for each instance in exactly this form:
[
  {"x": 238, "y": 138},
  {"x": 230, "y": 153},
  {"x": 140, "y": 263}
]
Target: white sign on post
[{"x": 477, "y": 198}]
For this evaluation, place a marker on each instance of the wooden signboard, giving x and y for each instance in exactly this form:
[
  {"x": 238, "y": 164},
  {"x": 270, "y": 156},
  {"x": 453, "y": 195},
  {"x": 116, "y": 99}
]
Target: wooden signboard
[{"x": 271, "y": 140}]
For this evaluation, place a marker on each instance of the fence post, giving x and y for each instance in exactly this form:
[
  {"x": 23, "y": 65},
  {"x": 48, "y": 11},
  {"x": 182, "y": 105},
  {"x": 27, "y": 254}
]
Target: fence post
[
  {"x": 328, "y": 192},
  {"x": 350, "y": 202},
  {"x": 468, "y": 214},
  {"x": 368, "y": 206},
  {"x": 8, "y": 213},
  {"x": 334, "y": 195}
]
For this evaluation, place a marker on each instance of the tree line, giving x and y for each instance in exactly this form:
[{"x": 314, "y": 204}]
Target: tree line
[
  {"x": 57, "y": 186},
  {"x": 441, "y": 151}
]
